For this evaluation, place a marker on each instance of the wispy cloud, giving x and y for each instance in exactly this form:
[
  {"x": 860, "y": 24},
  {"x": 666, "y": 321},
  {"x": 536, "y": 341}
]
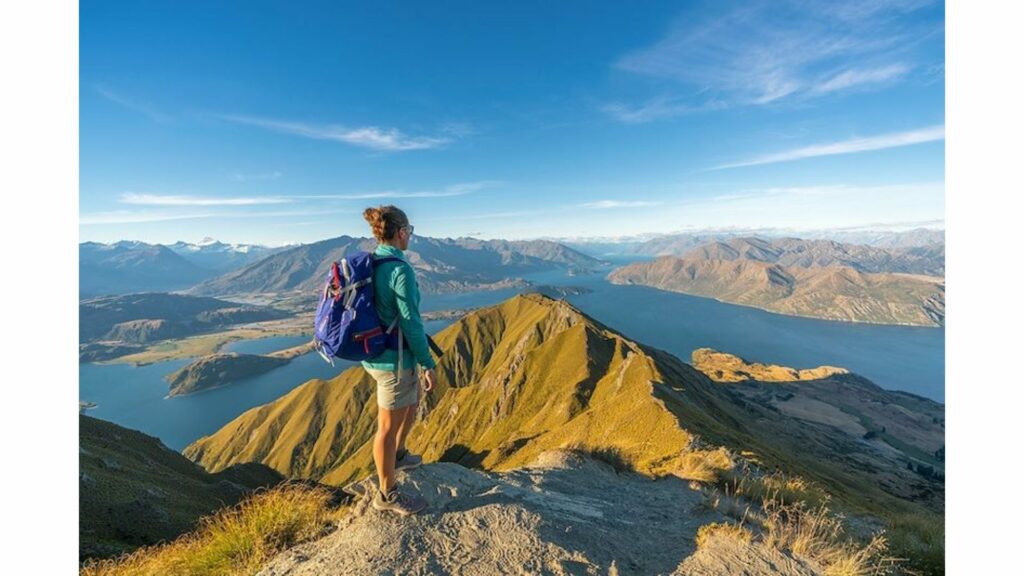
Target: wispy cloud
[
  {"x": 146, "y": 216},
  {"x": 131, "y": 104},
  {"x": 881, "y": 142},
  {"x": 460, "y": 189},
  {"x": 776, "y": 192},
  {"x": 657, "y": 108},
  {"x": 861, "y": 77},
  {"x": 493, "y": 215},
  {"x": 372, "y": 137},
  {"x": 134, "y": 217},
  {"x": 768, "y": 51},
  {"x": 174, "y": 200},
  {"x": 606, "y": 204},
  {"x": 256, "y": 176}
]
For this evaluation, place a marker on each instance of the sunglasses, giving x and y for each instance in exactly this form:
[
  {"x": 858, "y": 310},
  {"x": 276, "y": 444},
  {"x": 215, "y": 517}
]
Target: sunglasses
[{"x": 409, "y": 227}]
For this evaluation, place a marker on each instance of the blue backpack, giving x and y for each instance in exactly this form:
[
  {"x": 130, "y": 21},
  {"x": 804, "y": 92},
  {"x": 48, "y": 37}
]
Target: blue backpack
[{"x": 347, "y": 325}]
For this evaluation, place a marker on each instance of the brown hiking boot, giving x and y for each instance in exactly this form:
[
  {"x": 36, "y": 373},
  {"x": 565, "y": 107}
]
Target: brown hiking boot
[
  {"x": 398, "y": 502},
  {"x": 406, "y": 460}
]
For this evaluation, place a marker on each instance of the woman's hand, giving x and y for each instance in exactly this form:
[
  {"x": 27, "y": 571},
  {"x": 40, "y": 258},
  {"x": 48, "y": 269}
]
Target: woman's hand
[{"x": 428, "y": 380}]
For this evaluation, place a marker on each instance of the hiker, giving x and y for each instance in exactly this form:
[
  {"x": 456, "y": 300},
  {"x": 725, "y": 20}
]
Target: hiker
[{"x": 397, "y": 295}]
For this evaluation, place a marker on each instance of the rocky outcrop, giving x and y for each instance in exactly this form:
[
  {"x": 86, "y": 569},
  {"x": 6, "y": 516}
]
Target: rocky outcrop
[{"x": 563, "y": 513}]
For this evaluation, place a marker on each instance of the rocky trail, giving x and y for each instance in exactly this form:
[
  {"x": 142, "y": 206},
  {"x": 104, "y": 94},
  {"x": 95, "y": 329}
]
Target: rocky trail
[{"x": 562, "y": 514}]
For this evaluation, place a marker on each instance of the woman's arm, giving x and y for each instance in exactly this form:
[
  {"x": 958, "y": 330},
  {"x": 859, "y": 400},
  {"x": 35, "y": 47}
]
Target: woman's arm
[{"x": 407, "y": 297}]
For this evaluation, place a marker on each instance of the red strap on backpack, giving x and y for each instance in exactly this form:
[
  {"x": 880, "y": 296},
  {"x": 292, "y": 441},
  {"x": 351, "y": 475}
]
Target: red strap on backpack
[{"x": 337, "y": 281}]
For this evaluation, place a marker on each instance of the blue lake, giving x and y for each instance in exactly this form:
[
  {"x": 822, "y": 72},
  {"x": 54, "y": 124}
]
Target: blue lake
[{"x": 895, "y": 357}]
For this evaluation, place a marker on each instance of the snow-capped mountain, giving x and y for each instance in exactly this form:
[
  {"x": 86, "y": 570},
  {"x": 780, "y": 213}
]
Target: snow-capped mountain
[{"x": 219, "y": 256}]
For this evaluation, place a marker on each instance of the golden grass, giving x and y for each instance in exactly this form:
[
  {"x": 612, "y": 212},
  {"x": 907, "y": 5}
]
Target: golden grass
[
  {"x": 817, "y": 534},
  {"x": 235, "y": 541},
  {"x": 773, "y": 487},
  {"x": 705, "y": 465},
  {"x": 793, "y": 516},
  {"x": 723, "y": 529}
]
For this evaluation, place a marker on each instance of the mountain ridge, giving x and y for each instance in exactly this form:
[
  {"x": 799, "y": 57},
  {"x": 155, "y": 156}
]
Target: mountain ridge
[
  {"x": 443, "y": 265},
  {"x": 829, "y": 292}
]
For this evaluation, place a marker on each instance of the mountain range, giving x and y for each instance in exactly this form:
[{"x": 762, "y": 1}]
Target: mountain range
[
  {"x": 442, "y": 265},
  {"x": 813, "y": 278},
  {"x": 677, "y": 244},
  {"x": 128, "y": 266},
  {"x": 802, "y": 253},
  {"x": 220, "y": 257},
  {"x": 831, "y": 292}
]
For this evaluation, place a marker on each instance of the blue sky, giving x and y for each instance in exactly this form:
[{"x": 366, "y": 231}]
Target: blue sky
[{"x": 278, "y": 122}]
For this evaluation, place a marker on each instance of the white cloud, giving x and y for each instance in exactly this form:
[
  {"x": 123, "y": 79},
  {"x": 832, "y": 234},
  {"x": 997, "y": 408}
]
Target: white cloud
[
  {"x": 657, "y": 108},
  {"x": 172, "y": 200},
  {"x": 372, "y": 137},
  {"x": 881, "y": 142},
  {"x": 606, "y": 204},
  {"x": 133, "y": 217},
  {"x": 794, "y": 191},
  {"x": 140, "y": 217},
  {"x": 769, "y": 51},
  {"x": 860, "y": 77},
  {"x": 257, "y": 176},
  {"x": 460, "y": 189},
  {"x": 130, "y": 104}
]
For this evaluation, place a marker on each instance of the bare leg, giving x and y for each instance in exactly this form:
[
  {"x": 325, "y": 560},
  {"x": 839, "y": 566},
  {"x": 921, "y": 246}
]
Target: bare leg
[
  {"x": 384, "y": 446},
  {"x": 406, "y": 424}
]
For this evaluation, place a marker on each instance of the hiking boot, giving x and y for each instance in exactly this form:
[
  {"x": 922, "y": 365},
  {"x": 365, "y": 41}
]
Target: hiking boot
[
  {"x": 406, "y": 460},
  {"x": 396, "y": 501}
]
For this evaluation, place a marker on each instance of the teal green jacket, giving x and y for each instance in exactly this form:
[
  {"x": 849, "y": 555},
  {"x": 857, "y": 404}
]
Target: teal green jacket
[{"x": 396, "y": 293}]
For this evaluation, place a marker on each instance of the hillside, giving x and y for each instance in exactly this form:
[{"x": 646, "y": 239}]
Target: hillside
[
  {"x": 152, "y": 316},
  {"x": 442, "y": 265},
  {"x": 134, "y": 491},
  {"x": 906, "y": 429},
  {"x": 219, "y": 369},
  {"x": 533, "y": 374},
  {"x": 832, "y": 292}
]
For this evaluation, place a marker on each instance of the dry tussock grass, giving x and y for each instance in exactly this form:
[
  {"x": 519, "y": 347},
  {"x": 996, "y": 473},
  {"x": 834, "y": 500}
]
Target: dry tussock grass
[
  {"x": 723, "y": 529},
  {"x": 235, "y": 541},
  {"x": 792, "y": 515},
  {"x": 705, "y": 465},
  {"x": 814, "y": 532}
]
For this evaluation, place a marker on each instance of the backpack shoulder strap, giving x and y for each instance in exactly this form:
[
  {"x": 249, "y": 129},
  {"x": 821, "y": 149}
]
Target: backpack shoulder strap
[{"x": 383, "y": 259}]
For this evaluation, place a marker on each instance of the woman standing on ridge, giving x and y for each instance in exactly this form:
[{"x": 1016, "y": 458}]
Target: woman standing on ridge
[{"x": 396, "y": 295}]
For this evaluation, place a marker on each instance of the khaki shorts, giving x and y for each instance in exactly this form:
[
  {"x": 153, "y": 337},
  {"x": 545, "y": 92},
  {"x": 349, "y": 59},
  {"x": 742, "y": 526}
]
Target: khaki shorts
[{"x": 394, "y": 393}]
